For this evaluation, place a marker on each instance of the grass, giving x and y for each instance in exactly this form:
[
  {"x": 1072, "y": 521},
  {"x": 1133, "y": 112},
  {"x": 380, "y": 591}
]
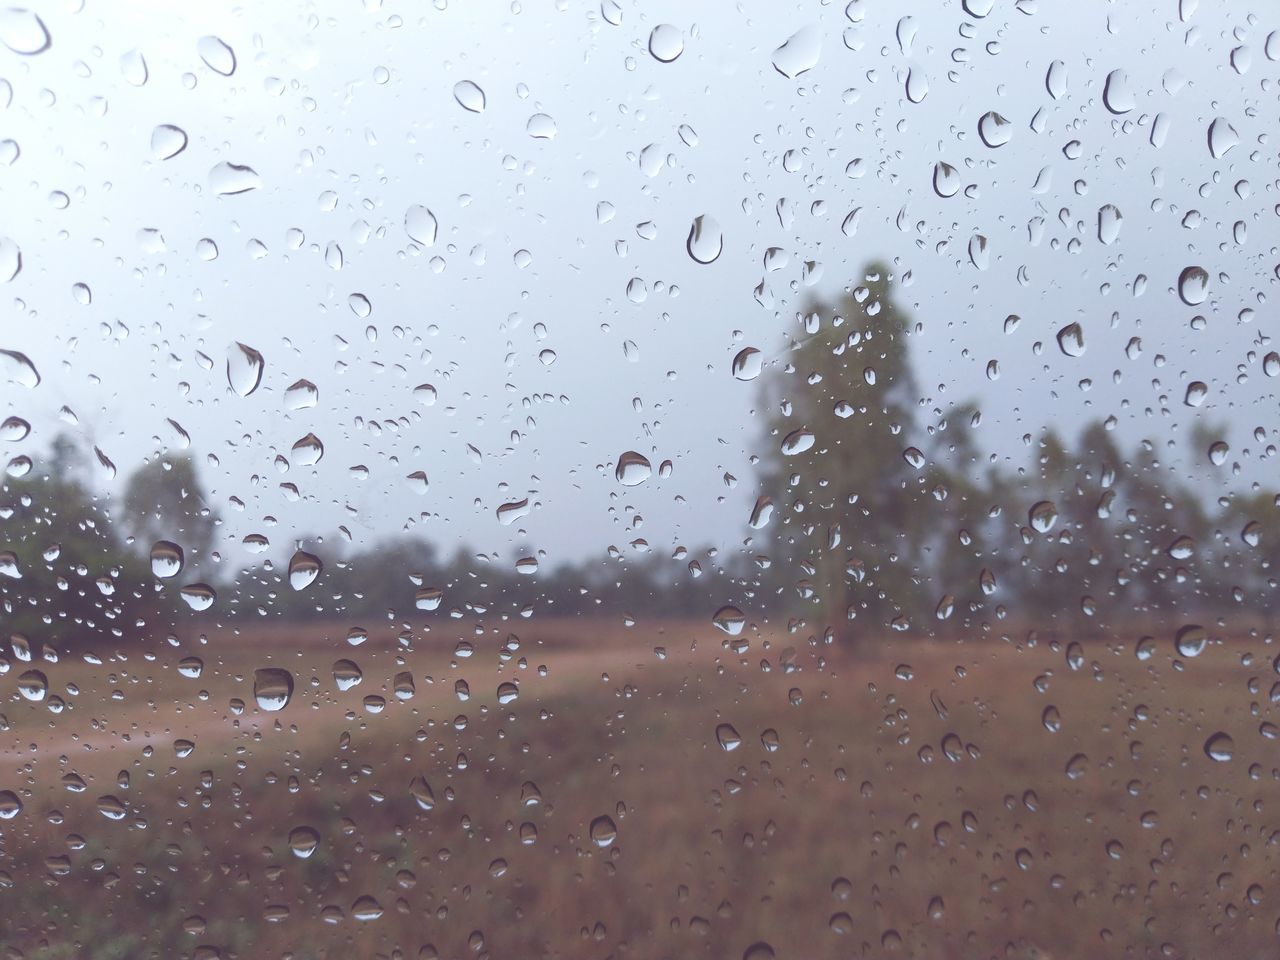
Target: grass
[{"x": 911, "y": 803}]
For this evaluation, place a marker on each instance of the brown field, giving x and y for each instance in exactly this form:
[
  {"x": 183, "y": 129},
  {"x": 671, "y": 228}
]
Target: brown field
[{"x": 911, "y": 803}]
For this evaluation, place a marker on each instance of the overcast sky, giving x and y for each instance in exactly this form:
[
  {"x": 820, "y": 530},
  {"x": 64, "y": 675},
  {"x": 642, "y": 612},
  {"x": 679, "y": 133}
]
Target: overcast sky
[{"x": 574, "y": 241}]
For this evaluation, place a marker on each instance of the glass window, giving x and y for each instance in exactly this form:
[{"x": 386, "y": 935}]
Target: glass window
[{"x": 612, "y": 479}]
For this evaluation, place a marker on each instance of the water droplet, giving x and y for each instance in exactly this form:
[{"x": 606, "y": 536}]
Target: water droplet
[
  {"x": 198, "y": 596},
  {"x": 166, "y": 559},
  {"x": 1196, "y": 393},
  {"x": 1055, "y": 79},
  {"x": 366, "y": 909},
  {"x": 729, "y": 619},
  {"x": 946, "y": 180},
  {"x": 23, "y": 32},
  {"x": 1220, "y": 747},
  {"x": 799, "y": 53},
  {"x": 1116, "y": 94},
  {"x": 541, "y": 127},
  {"x": 244, "y": 369},
  {"x": 10, "y": 260},
  {"x": 508, "y": 692},
  {"x": 797, "y": 441},
  {"x": 18, "y": 368},
  {"x": 1071, "y": 340},
  {"x": 728, "y": 737},
  {"x": 347, "y": 674},
  {"x": 304, "y": 568},
  {"x": 758, "y": 951},
  {"x": 1193, "y": 285},
  {"x": 913, "y": 457},
  {"x": 14, "y": 429},
  {"x": 509, "y": 513},
  {"x": 303, "y": 841},
  {"x": 1222, "y": 138},
  {"x": 469, "y": 96},
  {"x": 761, "y": 513},
  {"x": 1109, "y": 221},
  {"x": 747, "y": 363},
  {"x": 272, "y": 688},
  {"x": 1181, "y": 548},
  {"x": 10, "y": 805},
  {"x": 1191, "y": 640},
  {"x": 308, "y": 451},
  {"x": 191, "y": 667},
  {"x": 1042, "y": 516},
  {"x": 994, "y": 129},
  {"x": 420, "y": 224},
  {"x": 217, "y": 55},
  {"x": 706, "y": 239},
  {"x": 33, "y": 685},
  {"x": 112, "y": 808},
  {"x": 229, "y": 179},
  {"x": 603, "y": 831},
  {"x": 666, "y": 42},
  {"x": 917, "y": 85},
  {"x": 302, "y": 395},
  {"x": 633, "y": 469},
  {"x": 133, "y": 67}
]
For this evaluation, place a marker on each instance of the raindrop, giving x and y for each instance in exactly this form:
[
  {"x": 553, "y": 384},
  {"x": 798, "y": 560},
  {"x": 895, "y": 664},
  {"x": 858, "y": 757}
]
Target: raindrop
[
  {"x": 1042, "y": 516},
  {"x": 706, "y": 239},
  {"x": 308, "y": 451},
  {"x": 1191, "y": 640},
  {"x": 10, "y": 805},
  {"x": 1219, "y": 747},
  {"x": 133, "y": 67},
  {"x": 1055, "y": 79},
  {"x": 917, "y": 86},
  {"x": 33, "y": 685},
  {"x": 1222, "y": 138},
  {"x": 272, "y": 688},
  {"x": 229, "y": 179},
  {"x": 541, "y": 127},
  {"x": 244, "y": 369},
  {"x": 633, "y": 469},
  {"x": 346, "y": 674},
  {"x": 23, "y": 32},
  {"x": 420, "y": 224},
  {"x": 10, "y": 260},
  {"x": 1071, "y": 340},
  {"x": 800, "y": 52},
  {"x": 1109, "y": 221},
  {"x": 994, "y": 129},
  {"x": 508, "y": 692},
  {"x": 469, "y": 96},
  {"x": 946, "y": 180},
  {"x": 603, "y": 831},
  {"x": 166, "y": 559},
  {"x": 728, "y": 737},
  {"x": 729, "y": 619},
  {"x": 1116, "y": 94},
  {"x": 198, "y": 596},
  {"x": 1196, "y": 393},
  {"x": 18, "y": 368},
  {"x": 666, "y": 42},
  {"x": 217, "y": 55},
  {"x": 797, "y": 441},
  {"x": 303, "y": 841},
  {"x": 747, "y": 363},
  {"x": 1193, "y": 285},
  {"x": 301, "y": 395},
  {"x": 304, "y": 568}
]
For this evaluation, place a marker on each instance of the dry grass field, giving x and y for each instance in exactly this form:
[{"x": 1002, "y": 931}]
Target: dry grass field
[{"x": 655, "y": 791}]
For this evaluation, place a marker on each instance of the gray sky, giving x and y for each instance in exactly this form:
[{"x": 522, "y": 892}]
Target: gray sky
[{"x": 346, "y": 112}]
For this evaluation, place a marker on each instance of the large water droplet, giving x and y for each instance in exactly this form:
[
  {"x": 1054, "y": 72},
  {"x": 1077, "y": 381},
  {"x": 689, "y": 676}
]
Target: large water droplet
[
  {"x": 1042, "y": 516},
  {"x": 797, "y": 441},
  {"x": 1109, "y": 220},
  {"x": 541, "y": 127},
  {"x": 747, "y": 363},
  {"x": 1055, "y": 79},
  {"x": 10, "y": 259},
  {"x": 994, "y": 129},
  {"x": 303, "y": 841},
  {"x": 666, "y": 42},
  {"x": 728, "y": 737},
  {"x": 229, "y": 179},
  {"x": 308, "y": 451},
  {"x": 1193, "y": 285},
  {"x": 603, "y": 831},
  {"x": 706, "y": 239},
  {"x": 800, "y": 52},
  {"x": 272, "y": 688},
  {"x": 633, "y": 469},
  {"x": 217, "y": 55},
  {"x": 198, "y": 596},
  {"x": 244, "y": 369},
  {"x": 946, "y": 180},
  {"x": 33, "y": 685},
  {"x": 1222, "y": 137},
  {"x": 1220, "y": 747},
  {"x": 1071, "y": 340},
  {"x": 1116, "y": 93},
  {"x": 304, "y": 568},
  {"x": 301, "y": 395},
  {"x": 1191, "y": 640},
  {"x": 22, "y": 31},
  {"x": 469, "y": 96},
  {"x": 729, "y": 619},
  {"x": 167, "y": 141},
  {"x": 166, "y": 559},
  {"x": 420, "y": 224},
  {"x": 16, "y": 367}
]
